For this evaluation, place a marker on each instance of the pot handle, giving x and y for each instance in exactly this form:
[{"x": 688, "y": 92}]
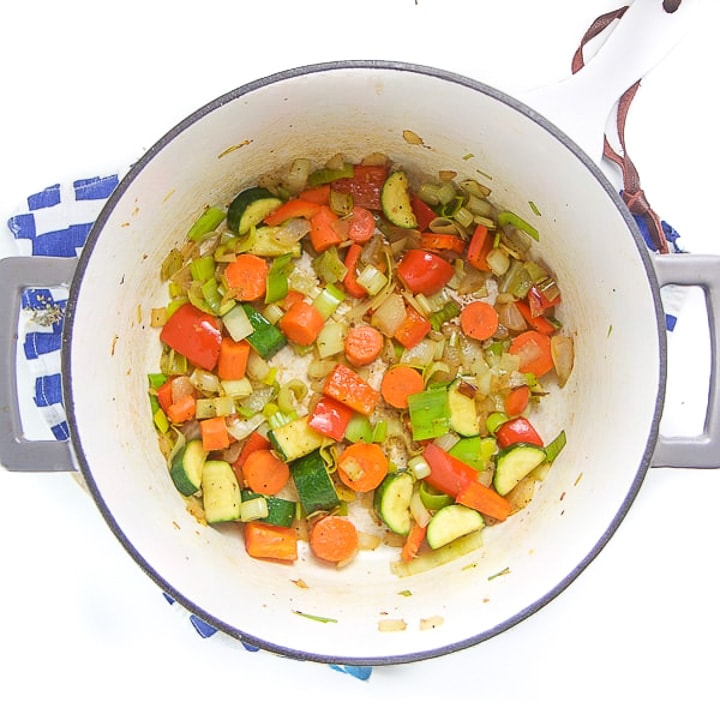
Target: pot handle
[
  {"x": 17, "y": 453},
  {"x": 701, "y": 451}
]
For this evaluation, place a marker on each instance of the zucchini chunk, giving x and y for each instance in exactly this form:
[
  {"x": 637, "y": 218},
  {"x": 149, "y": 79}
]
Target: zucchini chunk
[
  {"x": 187, "y": 467},
  {"x": 314, "y": 485},
  {"x": 463, "y": 414},
  {"x": 265, "y": 339},
  {"x": 295, "y": 439},
  {"x": 514, "y": 463},
  {"x": 280, "y": 511},
  {"x": 451, "y": 523},
  {"x": 392, "y": 501},
  {"x": 221, "y": 492},
  {"x": 249, "y": 208},
  {"x": 395, "y": 200}
]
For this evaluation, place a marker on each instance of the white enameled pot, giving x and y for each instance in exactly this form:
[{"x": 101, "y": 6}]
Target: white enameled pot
[{"x": 610, "y": 409}]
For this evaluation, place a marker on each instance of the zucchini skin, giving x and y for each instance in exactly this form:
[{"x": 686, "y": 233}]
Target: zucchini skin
[
  {"x": 280, "y": 511},
  {"x": 313, "y": 483},
  {"x": 514, "y": 463},
  {"x": 187, "y": 467},
  {"x": 249, "y": 208},
  {"x": 392, "y": 501},
  {"x": 395, "y": 200}
]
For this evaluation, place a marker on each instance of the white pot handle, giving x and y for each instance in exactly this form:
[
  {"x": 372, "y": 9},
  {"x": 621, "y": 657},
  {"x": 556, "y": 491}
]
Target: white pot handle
[
  {"x": 702, "y": 451},
  {"x": 17, "y": 453}
]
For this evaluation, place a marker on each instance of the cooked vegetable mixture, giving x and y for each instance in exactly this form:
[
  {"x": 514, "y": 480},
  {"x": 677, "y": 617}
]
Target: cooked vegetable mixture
[{"x": 350, "y": 358}]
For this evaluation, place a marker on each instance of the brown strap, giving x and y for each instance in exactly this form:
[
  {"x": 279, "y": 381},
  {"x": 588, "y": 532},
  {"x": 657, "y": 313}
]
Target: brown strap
[{"x": 633, "y": 194}]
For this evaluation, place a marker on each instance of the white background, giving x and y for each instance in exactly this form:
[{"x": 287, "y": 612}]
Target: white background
[{"x": 86, "y": 87}]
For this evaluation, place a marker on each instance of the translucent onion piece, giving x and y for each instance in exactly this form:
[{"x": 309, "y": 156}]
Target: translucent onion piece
[
  {"x": 562, "y": 348},
  {"x": 390, "y": 315}
]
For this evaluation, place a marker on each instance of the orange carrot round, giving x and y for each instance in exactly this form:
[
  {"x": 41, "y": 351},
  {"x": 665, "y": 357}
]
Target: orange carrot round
[
  {"x": 533, "y": 348},
  {"x": 302, "y": 323},
  {"x": 517, "y": 400},
  {"x": 247, "y": 275},
  {"x": 479, "y": 320},
  {"x": 398, "y": 383},
  {"x": 334, "y": 539},
  {"x": 363, "y": 344},
  {"x": 362, "y": 225},
  {"x": 362, "y": 466},
  {"x": 265, "y": 473}
]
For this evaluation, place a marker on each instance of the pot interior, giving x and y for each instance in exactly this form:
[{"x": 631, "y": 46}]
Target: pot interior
[{"x": 609, "y": 409}]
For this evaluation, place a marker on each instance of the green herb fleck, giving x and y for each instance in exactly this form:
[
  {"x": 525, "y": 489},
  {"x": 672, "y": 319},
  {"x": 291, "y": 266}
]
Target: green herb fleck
[
  {"x": 505, "y": 571},
  {"x": 317, "y": 618}
]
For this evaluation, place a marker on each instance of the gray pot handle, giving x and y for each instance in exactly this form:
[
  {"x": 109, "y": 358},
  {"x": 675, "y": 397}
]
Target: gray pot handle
[
  {"x": 17, "y": 453},
  {"x": 701, "y": 451}
]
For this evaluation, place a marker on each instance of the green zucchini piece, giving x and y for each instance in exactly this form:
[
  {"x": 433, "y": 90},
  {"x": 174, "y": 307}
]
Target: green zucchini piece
[
  {"x": 221, "y": 492},
  {"x": 392, "y": 501},
  {"x": 464, "y": 418},
  {"x": 249, "y": 208},
  {"x": 514, "y": 463},
  {"x": 395, "y": 200},
  {"x": 313, "y": 483},
  {"x": 265, "y": 339},
  {"x": 187, "y": 467},
  {"x": 280, "y": 511},
  {"x": 451, "y": 523},
  {"x": 295, "y": 439}
]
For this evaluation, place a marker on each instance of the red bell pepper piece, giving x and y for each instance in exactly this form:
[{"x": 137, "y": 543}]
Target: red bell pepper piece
[
  {"x": 365, "y": 185},
  {"x": 413, "y": 328},
  {"x": 297, "y": 207},
  {"x": 517, "y": 430},
  {"x": 447, "y": 474},
  {"x": 424, "y": 272},
  {"x": 479, "y": 247},
  {"x": 347, "y": 387},
  {"x": 195, "y": 335},
  {"x": 330, "y": 417},
  {"x": 424, "y": 214}
]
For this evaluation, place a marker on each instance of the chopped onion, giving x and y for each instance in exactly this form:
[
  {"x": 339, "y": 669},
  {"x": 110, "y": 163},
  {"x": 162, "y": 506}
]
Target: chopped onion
[
  {"x": 498, "y": 261},
  {"x": 562, "y": 348},
  {"x": 390, "y": 315}
]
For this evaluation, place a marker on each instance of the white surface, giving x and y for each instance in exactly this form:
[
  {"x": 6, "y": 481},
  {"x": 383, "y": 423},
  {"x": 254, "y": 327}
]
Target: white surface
[{"x": 87, "y": 89}]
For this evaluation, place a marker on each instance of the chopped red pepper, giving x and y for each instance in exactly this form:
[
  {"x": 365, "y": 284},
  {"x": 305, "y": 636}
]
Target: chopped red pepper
[
  {"x": 538, "y": 301},
  {"x": 479, "y": 247},
  {"x": 517, "y": 430},
  {"x": 423, "y": 271},
  {"x": 295, "y": 208},
  {"x": 365, "y": 185},
  {"x": 413, "y": 328},
  {"x": 424, "y": 214},
  {"x": 536, "y": 322},
  {"x": 350, "y": 280},
  {"x": 330, "y": 417},
  {"x": 194, "y": 334},
  {"x": 447, "y": 474}
]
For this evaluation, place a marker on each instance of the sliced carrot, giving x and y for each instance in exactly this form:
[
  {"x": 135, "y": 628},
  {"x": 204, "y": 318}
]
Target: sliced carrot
[
  {"x": 485, "y": 500},
  {"x": 413, "y": 542},
  {"x": 536, "y": 322},
  {"x": 214, "y": 434},
  {"x": 270, "y": 542},
  {"x": 517, "y": 400},
  {"x": 413, "y": 328},
  {"x": 182, "y": 410},
  {"x": 479, "y": 320},
  {"x": 297, "y": 207},
  {"x": 441, "y": 241},
  {"x": 350, "y": 280},
  {"x": 479, "y": 248},
  {"x": 362, "y": 466},
  {"x": 247, "y": 275},
  {"x": 398, "y": 383},
  {"x": 302, "y": 323},
  {"x": 265, "y": 473},
  {"x": 334, "y": 539},
  {"x": 290, "y": 299},
  {"x": 533, "y": 348},
  {"x": 233, "y": 359},
  {"x": 324, "y": 227},
  {"x": 362, "y": 225},
  {"x": 363, "y": 345},
  {"x": 346, "y": 386},
  {"x": 319, "y": 194},
  {"x": 254, "y": 441}
]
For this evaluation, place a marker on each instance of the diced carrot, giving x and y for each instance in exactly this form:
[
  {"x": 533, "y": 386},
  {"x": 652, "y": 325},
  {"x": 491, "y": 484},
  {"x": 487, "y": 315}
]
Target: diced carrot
[
  {"x": 398, "y": 383},
  {"x": 413, "y": 328},
  {"x": 165, "y": 395},
  {"x": 413, "y": 542},
  {"x": 255, "y": 441},
  {"x": 247, "y": 275},
  {"x": 319, "y": 194},
  {"x": 485, "y": 500},
  {"x": 297, "y": 207},
  {"x": 536, "y": 322},
  {"x": 233, "y": 359},
  {"x": 182, "y": 410},
  {"x": 479, "y": 248},
  {"x": 214, "y": 434},
  {"x": 362, "y": 466},
  {"x": 517, "y": 400},
  {"x": 302, "y": 323},
  {"x": 362, "y": 225},
  {"x": 346, "y": 386},
  {"x": 441, "y": 241},
  {"x": 479, "y": 320},
  {"x": 350, "y": 280},
  {"x": 290, "y": 299},
  {"x": 334, "y": 539},
  {"x": 533, "y": 348},
  {"x": 270, "y": 542},
  {"x": 324, "y": 227},
  {"x": 363, "y": 344},
  {"x": 265, "y": 473}
]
